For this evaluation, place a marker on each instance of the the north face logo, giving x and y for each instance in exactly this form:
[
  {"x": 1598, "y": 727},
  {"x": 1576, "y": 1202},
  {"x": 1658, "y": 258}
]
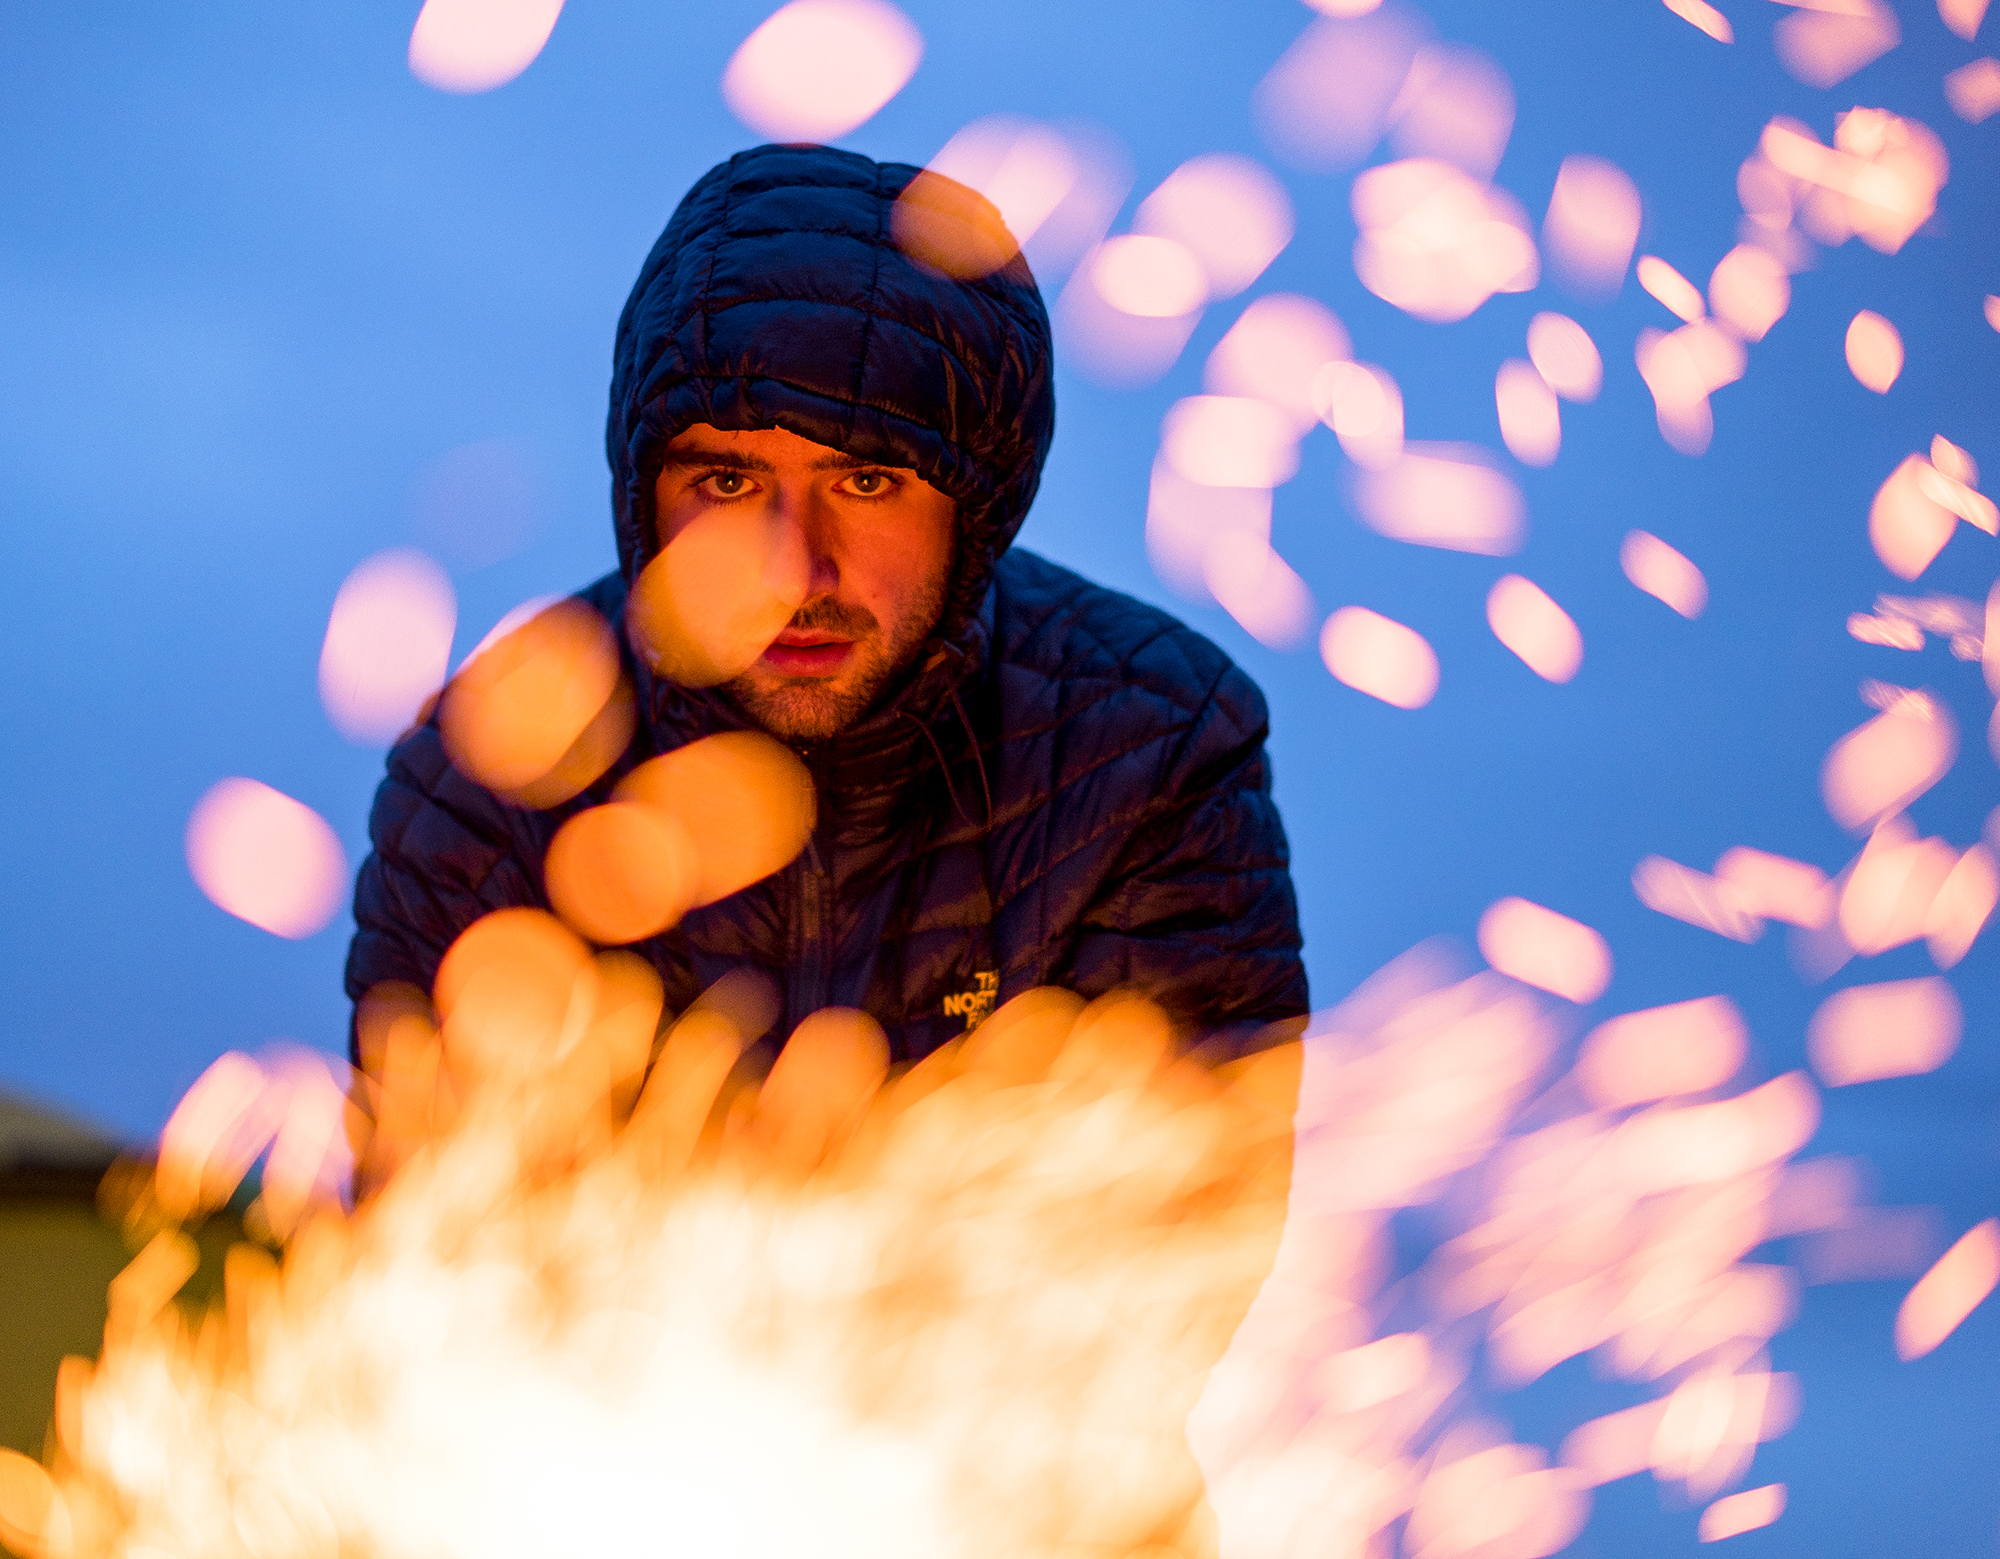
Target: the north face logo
[{"x": 975, "y": 1005}]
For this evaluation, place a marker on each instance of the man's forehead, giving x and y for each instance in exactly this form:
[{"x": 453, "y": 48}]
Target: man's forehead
[{"x": 761, "y": 449}]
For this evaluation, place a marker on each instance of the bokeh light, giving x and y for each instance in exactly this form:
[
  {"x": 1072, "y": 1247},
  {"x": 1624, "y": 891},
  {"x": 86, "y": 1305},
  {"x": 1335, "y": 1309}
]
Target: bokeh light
[
  {"x": 1326, "y": 101},
  {"x": 1364, "y": 407},
  {"x": 1681, "y": 296},
  {"x": 1436, "y": 242},
  {"x": 1540, "y": 947},
  {"x": 1226, "y": 211},
  {"x": 815, "y": 70},
  {"x": 1565, "y": 356},
  {"x": 1275, "y": 352},
  {"x": 476, "y": 505},
  {"x": 1898, "y": 1028},
  {"x": 621, "y": 872},
  {"x": 1687, "y": 1048},
  {"x": 1825, "y": 44},
  {"x": 1700, "y": 13},
  {"x": 1528, "y": 622},
  {"x": 471, "y": 46},
  {"x": 1663, "y": 573},
  {"x": 744, "y": 801},
  {"x": 387, "y": 645},
  {"x": 1379, "y": 656},
  {"x": 1749, "y": 291},
  {"x": 717, "y": 594},
  {"x": 1735, "y": 1514},
  {"x": 1455, "y": 104},
  {"x": 1592, "y": 224},
  {"x": 1949, "y": 1292},
  {"x": 1874, "y": 351},
  {"x": 266, "y": 858},
  {"x": 529, "y": 697},
  {"x": 1974, "y": 90},
  {"x": 1444, "y": 495},
  {"x": 1229, "y": 441},
  {"x": 1879, "y": 768},
  {"x": 1530, "y": 419}
]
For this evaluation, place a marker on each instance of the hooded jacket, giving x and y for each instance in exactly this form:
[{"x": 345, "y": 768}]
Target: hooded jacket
[{"x": 1068, "y": 787}]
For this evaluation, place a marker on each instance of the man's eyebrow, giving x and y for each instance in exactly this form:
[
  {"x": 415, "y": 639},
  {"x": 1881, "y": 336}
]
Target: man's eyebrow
[
  {"x": 840, "y": 460},
  {"x": 690, "y": 456}
]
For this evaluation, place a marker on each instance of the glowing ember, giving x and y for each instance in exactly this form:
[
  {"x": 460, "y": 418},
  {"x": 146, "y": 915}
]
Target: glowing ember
[
  {"x": 1592, "y": 224},
  {"x": 266, "y": 858},
  {"x": 477, "y": 45},
  {"x": 1529, "y": 623},
  {"x": 1436, "y": 242},
  {"x": 1735, "y": 1514},
  {"x": 1565, "y": 356},
  {"x": 1874, "y": 351},
  {"x": 388, "y": 643},
  {"x": 1378, "y": 656},
  {"x": 1444, "y": 495},
  {"x": 1701, "y": 14},
  {"x": 1530, "y": 420},
  {"x": 1663, "y": 572},
  {"x": 1539, "y": 947},
  {"x": 1949, "y": 1292},
  {"x": 816, "y": 69},
  {"x": 1897, "y": 1029},
  {"x": 1231, "y": 215}
]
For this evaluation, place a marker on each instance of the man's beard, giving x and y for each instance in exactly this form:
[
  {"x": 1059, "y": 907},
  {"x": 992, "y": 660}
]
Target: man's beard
[{"x": 812, "y": 709}]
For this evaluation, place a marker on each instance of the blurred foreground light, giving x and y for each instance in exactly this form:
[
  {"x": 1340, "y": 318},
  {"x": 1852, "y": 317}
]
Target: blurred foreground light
[
  {"x": 1668, "y": 286},
  {"x": 1749, "y": 291},
  {"x": 1879, "y": 180},
  {"x": 1026, "y": 170},
  {"x": 1565, "y": 356},
  {"x": 1530, "y": 420},
  {"x": 1974, "y": 90},
  {"x": 1683, "y": 368},
  {"x": 1963, "y": 16},
  {"x": 387, "y": 646},
  {"x": 476, "y": 45},
  {"x": 1965, "y": 901},
  {"x": 1735, "y": 1514},
  {"x": 1364, "y": 407},
  {"x": 1530, "y": 624},
  {"x": 1592, "y": 224},
  {"x": 33, "y": 1517},
  {"x": 1378, "y": 656},
  {"x": 266, "y": 858},
  {"x": 1669, "y": 888},
  {"x": 1539, "y": 947},
  {"x": 743, "y": 801},
  {"x": 1823, "y": 44},
  {"x": 949, "y": 227},
  {"x": 1275, "y": 352},
  {"x": 1444, "y": 495},
  {"x": 1456, "y": 104},
  {"x": 1149, "y": 276},
  {"x": 1878, "y": 769},
  {"x": 814, "y": 70},
  {"x": 1259, "y": 589},
  {"x": 716, "y": 595},
  {"x": 1874, "y": 351},
  {"x": 1909, "y": 523},
  {"x": 1436, "y": 242},
  {"x": 1700, "y": 13},
  {"x": 1185, "y": 518},
  {"x": 1890, "y": 888},
  {"x": 1229, "y": 441},
  {"x": 1900, "y": 1028},
  {"x": 1326, "y": 102},
  {"x": 1226, "y": 211},
  {"x": 621, "y": 872},
  {"x": 1663, "y": 573},
  {"x": 1991, "y": 308},
  {"x": 1949, "y": 1292},
  {"x": 1776, "y": 887},
  {"x": 538, "y": 711},
  {"x": 1689, "y": 1047}
]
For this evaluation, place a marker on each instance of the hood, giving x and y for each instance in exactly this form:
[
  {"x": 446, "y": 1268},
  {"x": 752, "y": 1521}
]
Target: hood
[{"x": 776, "y": 298}]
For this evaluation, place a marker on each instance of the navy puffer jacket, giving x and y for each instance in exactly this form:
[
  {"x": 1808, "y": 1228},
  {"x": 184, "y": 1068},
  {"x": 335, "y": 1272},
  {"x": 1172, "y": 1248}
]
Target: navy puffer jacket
[{"x": 1069, "y": 788}]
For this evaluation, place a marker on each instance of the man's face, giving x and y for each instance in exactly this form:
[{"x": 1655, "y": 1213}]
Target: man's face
[{"x": 874, "y": 540}]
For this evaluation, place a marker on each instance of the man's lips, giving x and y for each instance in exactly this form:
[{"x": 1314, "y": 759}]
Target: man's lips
[{"x": 806, "y": 653}]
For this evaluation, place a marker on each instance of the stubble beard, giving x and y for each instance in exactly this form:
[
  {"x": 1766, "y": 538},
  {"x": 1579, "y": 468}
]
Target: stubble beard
[{"x": 814, "y": 709}]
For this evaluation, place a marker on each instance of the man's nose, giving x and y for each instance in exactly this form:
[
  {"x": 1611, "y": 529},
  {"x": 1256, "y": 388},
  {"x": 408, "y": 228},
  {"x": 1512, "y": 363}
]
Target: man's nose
[{"x": 802, "y": 561}]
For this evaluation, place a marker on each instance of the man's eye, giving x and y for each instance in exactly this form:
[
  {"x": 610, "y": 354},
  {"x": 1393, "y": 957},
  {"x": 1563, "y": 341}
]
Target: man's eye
[
  {"x": 869, "y": 483},
  {"x": 727, "y": 484}
]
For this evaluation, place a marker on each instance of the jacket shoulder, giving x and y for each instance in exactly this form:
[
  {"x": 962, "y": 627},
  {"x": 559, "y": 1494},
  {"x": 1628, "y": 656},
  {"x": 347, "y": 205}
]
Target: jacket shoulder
[{"x": 1053, "y": 624}]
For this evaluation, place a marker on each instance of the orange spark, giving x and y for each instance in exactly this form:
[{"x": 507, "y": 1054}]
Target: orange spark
[
  {"x": 476, "y": 45},
  {"x": 1528, "y": 622},
  {"x": 814, "y": 70},
  {"x": 1700, "y": 13},
  {"x": 266, "y": 858},
  {"x": 1949, "y": 1292},
  {"x": 387, "y": 646},
  {"x": 1539, "y": 947},
  {"x": 1681, "y": 296},
  {"x": 1900, "y": 1028},
  {"x": 1663, "y": 573},
  {"x": 1565, "y": 356},
  {"x": 1530, "y": 420},
  {"x": 1379, "y": 656}
]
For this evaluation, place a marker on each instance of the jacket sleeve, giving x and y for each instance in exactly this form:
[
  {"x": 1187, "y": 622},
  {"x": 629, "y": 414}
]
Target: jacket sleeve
[
  {"x": 444, "y": 852},
  {"x": 1199, "y": 913}
]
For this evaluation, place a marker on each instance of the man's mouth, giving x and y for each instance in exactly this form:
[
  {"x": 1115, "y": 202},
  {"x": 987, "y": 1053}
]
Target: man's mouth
[{"x": 807, "y": 652}]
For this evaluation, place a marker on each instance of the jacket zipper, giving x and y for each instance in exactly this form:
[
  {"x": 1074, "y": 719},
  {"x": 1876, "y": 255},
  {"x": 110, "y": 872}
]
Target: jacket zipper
[{"x": 808, "y": 980}]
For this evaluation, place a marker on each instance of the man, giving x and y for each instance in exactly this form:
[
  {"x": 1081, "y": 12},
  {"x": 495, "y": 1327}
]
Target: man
[{"x": 1023, "y": 779}]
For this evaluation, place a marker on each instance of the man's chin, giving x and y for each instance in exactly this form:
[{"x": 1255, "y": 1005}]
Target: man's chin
[{"x": 803, "y": 709}]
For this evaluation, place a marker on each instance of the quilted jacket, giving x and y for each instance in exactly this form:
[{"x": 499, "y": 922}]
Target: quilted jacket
[{"x": 1070, "y": 788}]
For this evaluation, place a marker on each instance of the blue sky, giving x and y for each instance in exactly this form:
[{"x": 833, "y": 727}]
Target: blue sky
[{"x": 255, "y": 279}]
